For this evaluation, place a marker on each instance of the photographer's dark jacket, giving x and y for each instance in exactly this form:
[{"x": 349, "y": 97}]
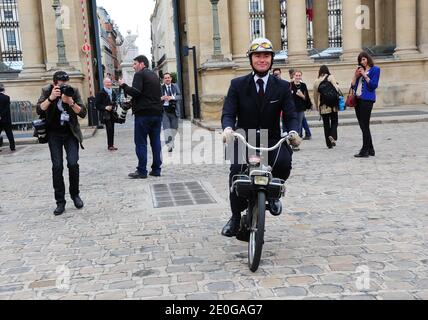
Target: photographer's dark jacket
[
  {"x": 53, "y": 114},
  {"x": 146, "y": 93},
  {"x": 102, "y": 100}
]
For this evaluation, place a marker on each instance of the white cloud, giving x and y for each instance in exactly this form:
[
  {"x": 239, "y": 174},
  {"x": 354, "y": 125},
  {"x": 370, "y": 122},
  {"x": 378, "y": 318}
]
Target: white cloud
[{"x": 132, "y": 15}]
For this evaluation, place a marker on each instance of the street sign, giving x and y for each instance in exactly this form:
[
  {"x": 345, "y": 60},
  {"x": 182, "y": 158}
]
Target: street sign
[{"x": 86, "y": 48}]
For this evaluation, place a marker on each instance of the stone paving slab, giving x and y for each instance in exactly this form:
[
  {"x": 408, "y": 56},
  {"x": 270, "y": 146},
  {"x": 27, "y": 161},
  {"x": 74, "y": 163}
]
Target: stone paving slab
[{"x": 352, "y": 228}]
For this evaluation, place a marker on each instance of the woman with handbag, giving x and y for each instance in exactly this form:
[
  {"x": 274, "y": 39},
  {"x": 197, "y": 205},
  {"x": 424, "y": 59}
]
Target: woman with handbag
[
  {"x": 364, "y": 85},
  {"x": 105, "y": 102},
  {"x": 328, "y": 107}
]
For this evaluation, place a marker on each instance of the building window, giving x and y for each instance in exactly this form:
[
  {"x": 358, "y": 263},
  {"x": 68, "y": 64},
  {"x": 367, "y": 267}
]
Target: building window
[
  {"x": 335, "y": 23},
  {"x": 257, "y": 19},
  {"x": 8, "y": 15},
  {"x": 10, "y": 39}
]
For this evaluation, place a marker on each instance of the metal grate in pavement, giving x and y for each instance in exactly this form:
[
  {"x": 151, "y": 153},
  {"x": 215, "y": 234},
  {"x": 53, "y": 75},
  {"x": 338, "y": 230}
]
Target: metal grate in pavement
[{"x": 180, "y": 194}]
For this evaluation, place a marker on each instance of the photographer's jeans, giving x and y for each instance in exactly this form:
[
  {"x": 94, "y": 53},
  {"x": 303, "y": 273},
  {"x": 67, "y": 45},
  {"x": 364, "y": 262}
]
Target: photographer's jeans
[
  {"x": 148, "y": 126},
  {"x": 57, "y": 143}
]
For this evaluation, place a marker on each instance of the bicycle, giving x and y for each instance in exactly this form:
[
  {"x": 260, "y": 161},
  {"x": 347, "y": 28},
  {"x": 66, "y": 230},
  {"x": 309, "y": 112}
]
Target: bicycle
[{"x": 258, "y": 186}]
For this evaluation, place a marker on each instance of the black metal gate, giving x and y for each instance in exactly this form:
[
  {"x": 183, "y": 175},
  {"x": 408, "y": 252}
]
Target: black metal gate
[
  {"x": 335, "y": 23},
  {"x": 10, "y": 37}
]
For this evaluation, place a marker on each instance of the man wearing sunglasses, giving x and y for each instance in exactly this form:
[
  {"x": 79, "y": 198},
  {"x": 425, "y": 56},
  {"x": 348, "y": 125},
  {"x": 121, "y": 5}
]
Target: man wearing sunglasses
[
  {"x": 61, "y": 104},
  {"x": 255, "y": 102}
]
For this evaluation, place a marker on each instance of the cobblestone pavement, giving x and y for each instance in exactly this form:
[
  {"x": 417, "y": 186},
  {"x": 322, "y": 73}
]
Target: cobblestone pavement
[{"x": 353, "y": 228}]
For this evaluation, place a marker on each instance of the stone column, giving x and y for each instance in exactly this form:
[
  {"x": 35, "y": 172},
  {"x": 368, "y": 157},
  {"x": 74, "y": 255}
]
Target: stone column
[
  {"x": 352, "y": 31},
  {"x": 273, "y": 23},
  {"x": 380, "y": 22},
  {"x": 297, "y": 33},
  {"x": 31, "y": 34},
  {"x": 368, "y": 36},
  {"x": 217, "y": 54},
  {"x": 240, "y": 25},
  {"x": 320, "y": 23},
  {"x": 423, "y": 25},
  {"x": 406, "y": 28}
]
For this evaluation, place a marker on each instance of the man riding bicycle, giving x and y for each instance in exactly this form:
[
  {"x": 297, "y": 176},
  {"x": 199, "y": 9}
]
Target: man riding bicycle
[{"x": 254, "y": 102}]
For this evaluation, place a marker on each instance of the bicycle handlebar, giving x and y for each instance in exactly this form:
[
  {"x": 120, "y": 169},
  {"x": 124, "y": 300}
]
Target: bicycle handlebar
[{"x": 241, "y": 137}]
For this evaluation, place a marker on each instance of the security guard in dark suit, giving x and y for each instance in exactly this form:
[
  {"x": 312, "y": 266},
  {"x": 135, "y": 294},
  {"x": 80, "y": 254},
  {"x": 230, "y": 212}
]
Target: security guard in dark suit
[{"x": 254, "y": 102}]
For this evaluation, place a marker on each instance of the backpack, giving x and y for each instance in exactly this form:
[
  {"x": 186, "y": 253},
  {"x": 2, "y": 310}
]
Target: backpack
[{"x": 329, "y": 95}]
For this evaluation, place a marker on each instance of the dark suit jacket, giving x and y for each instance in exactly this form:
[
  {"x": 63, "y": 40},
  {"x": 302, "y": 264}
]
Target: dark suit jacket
[
  {"x": 177, "y": 94},
  {"x": 102, "y": 100},
  {"x": 5, "y": 117},
  {"x": 244, "y": 110}
]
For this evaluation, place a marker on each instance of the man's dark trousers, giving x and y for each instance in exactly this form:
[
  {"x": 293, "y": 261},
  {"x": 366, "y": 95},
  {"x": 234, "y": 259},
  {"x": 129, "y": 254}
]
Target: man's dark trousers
[
  {"x": 9, "y": 133},
  {"x": 58, "y": 142},
  {"x": 148, "y": 126},
  {"x": 281, "y": 169}
]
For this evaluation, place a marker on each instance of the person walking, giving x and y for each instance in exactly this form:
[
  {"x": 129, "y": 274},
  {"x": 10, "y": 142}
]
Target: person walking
[
  {"x": 171, "y": 98},
  {"x": 305, "y": 124},
  {"x": 146, "y": 95},
  {"x": 5, "y": 118},
  {"x": 364, "y": 83},
  {"x": 326, "y": 89},
  {"x": 106, "y": 103},
  {"x": 301, "y": 99}
]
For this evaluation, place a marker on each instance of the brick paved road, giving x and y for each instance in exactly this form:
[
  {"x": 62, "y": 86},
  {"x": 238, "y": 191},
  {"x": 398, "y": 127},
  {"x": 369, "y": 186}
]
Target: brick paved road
[{"x": 353, "y": 228}]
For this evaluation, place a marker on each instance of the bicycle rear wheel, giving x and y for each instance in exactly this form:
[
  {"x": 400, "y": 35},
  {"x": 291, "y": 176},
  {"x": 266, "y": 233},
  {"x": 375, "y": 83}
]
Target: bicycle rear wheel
[{"x": 255, "y": 245}]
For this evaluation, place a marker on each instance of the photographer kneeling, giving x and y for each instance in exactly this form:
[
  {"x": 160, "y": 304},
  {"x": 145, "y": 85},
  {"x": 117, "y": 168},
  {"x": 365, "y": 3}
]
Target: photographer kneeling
[{"x": 60, "y": 104}]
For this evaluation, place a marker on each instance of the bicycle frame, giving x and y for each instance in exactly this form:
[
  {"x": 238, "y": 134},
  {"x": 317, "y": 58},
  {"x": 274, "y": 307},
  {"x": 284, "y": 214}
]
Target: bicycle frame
[{"x": 257, "y": 187}]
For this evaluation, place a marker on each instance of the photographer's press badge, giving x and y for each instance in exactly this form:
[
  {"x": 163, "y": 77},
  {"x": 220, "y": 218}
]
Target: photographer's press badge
[{"x": 65, "y": 117}]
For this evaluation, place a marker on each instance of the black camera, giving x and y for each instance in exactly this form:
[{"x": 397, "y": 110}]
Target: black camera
[
  {"x": 40, "y": 130},
  {"x": 67, "y": 90}
]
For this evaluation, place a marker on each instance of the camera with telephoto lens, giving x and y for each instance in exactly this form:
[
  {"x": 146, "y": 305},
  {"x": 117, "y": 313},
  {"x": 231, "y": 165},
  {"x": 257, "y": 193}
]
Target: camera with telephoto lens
[
  {"x": 67, "y": 90},
  {"x": 40, "y": 130}
]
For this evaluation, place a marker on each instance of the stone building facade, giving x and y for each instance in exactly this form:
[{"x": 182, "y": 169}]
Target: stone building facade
[
  {"x": 50, "y": 35},
  {"x": 111, "y": 39},
  {"x": 163, "y": 38},
  {"x": 306, "y": 34}
]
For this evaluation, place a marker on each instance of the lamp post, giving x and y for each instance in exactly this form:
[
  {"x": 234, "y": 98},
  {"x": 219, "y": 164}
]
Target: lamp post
[
  {"x": 196, "y": 104},
  {"x": 216, "y": 30},
  {"x": 62, "y": 58}
]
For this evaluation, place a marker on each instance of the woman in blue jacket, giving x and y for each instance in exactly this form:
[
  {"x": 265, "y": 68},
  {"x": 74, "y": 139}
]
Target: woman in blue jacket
[{"x": 364, "y": 84}]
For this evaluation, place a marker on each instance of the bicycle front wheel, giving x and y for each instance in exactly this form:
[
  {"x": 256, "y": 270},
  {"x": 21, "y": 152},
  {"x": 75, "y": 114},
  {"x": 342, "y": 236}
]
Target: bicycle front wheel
[{"x": 255, "y": 245}]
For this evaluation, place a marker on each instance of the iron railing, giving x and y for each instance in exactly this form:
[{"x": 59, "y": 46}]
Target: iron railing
[
  {"x": 10, "y": 37},
  {"x": 335, "y": 23}
]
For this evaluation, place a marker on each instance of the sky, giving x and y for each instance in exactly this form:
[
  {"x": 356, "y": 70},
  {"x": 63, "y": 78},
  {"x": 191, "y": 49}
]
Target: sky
[{"x": 132, "y": 15}]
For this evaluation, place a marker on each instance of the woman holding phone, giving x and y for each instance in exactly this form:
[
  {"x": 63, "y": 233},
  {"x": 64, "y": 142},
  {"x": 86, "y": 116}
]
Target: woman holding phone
[{"x": 364, "y": 83}]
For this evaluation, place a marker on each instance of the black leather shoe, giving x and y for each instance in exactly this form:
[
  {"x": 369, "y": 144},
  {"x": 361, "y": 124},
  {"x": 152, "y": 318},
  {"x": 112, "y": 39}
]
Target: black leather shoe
[
  {"x": 362, "y": 154},
  {"x": 372, "y": 153},
  {"x": 137, "y": 175},
  {"x": 154, "y": 174},
  {"x": 60, "y": 209},
  {"x": 275, "y": 207},
  {"x": 231, "y": 228},
  {"x": 78, "y": 203}
]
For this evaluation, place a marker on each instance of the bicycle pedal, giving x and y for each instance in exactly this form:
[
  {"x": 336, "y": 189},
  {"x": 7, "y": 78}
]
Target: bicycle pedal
[{"x": 243, "y": 235}]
